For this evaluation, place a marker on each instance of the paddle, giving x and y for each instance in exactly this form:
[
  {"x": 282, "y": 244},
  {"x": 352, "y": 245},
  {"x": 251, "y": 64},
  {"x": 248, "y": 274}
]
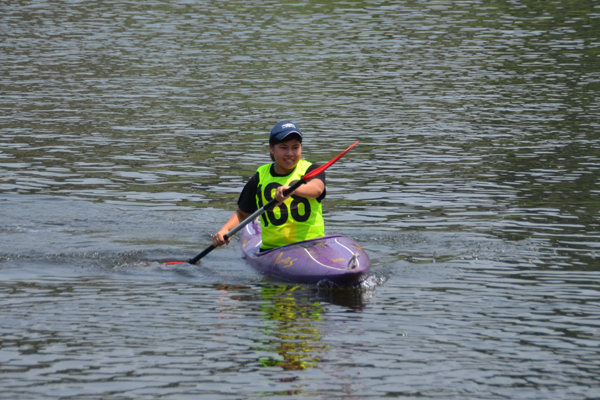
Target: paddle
[{"x": 266, "y": 207}]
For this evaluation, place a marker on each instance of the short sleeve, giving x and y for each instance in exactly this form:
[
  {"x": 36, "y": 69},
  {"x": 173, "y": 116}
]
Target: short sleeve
[{"x": 247, "y": 199}]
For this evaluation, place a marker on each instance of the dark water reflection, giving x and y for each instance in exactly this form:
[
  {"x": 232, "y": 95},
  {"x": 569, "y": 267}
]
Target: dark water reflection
[{"x": 128, "y": 129}]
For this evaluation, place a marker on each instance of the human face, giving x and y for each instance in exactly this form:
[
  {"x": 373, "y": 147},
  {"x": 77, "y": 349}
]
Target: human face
[{"x": 287, "y": 155}]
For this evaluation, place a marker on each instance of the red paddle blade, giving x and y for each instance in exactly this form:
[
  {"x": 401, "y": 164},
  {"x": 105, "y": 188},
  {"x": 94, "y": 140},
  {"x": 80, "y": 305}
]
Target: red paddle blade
[
  {"x": 175, "y": 262},
  {"x": 322, "y": 168}
]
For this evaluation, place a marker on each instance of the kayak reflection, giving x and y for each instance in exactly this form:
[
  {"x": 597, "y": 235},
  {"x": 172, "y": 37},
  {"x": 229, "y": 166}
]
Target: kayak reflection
[
  {"x": 291, "y": 336},
  {"x": 295, "y": 335}
]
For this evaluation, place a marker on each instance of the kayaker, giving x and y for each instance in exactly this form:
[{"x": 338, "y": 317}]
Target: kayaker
[{"x": 296, "y": 217}]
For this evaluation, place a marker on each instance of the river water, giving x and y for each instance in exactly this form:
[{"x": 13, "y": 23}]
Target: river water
[{"x": 127, "y": 130}]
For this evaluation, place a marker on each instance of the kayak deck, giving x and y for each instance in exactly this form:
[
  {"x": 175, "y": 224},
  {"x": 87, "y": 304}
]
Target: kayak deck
[{"x": 335, "y": 258}]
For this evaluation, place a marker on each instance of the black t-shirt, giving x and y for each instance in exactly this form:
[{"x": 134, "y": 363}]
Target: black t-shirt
[{"x": 247, "y": 200}]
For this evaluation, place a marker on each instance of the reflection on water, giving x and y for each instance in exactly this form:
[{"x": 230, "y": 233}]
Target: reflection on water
[
  {"x": 296, "y": 336},
  {"x": 294, "y": 315},
  {"x": 128, "y": 129}
]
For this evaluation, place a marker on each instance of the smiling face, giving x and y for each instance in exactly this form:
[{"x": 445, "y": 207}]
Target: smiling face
[{"x": 287, "y": 155}]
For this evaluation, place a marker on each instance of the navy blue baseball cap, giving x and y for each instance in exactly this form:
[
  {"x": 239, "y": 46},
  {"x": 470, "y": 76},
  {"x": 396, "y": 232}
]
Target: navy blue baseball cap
[{"x": 282, "y": 130}]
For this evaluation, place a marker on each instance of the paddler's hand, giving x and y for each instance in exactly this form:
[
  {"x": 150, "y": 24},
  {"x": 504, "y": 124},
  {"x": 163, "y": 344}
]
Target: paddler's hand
[
  {"x": 219, "y": 240},
  {"x": 279, "y": 194}
]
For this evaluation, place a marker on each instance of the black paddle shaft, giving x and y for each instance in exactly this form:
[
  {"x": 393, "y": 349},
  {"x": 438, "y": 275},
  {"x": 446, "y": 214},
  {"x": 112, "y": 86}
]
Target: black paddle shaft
[
  {"x": 245, "y": 222},
  {"x": 272, "y": 203}
]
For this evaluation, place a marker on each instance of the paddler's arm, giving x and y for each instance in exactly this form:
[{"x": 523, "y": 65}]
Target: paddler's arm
[
  {"x": 311, "y": 190},
  {"x": 234, "y": 221}
]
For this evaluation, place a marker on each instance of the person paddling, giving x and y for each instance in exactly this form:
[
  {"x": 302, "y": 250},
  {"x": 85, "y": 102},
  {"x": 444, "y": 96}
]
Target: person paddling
[{"x": 296, "y": 217}]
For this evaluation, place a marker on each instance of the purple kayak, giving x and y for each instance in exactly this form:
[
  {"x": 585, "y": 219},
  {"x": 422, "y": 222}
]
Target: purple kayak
[{"x": 333, "y": 258}]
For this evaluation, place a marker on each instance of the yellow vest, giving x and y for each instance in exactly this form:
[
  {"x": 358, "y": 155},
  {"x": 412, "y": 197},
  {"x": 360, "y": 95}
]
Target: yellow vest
[{"x": 297, "y": 219}]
